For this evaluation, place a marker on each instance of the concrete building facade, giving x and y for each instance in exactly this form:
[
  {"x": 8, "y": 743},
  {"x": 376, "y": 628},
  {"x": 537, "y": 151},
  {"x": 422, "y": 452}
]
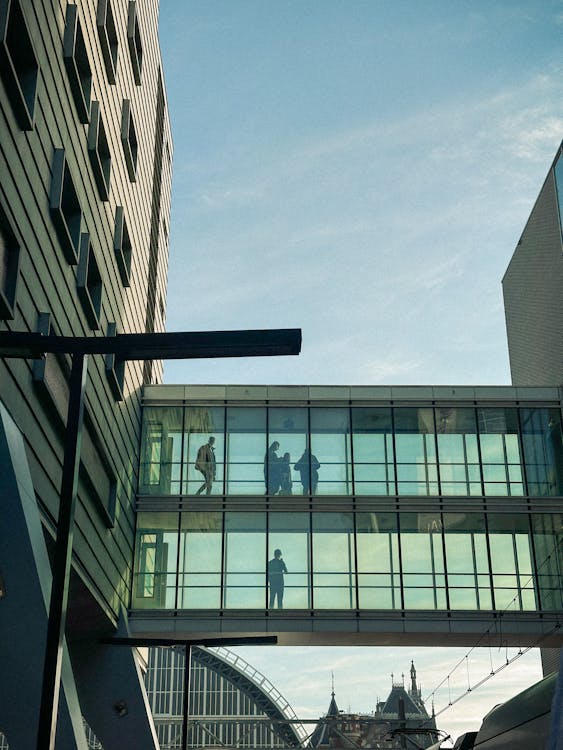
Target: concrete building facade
[{"x": 85, "y": 159}]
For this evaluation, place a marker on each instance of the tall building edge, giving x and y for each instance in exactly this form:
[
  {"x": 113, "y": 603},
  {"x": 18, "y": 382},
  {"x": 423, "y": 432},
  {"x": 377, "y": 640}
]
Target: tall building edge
[
  {"x": 533, "y": 290},
  {"x": 85, "y": 159}
]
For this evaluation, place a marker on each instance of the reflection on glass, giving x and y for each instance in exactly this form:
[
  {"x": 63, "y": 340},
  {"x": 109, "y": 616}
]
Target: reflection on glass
[
  {"x": 458, "y": 453},
  {"x": 422, "y": 560},
  {"x": 500, "y": 452},
  {"x": 467, "y": 561},
  {"x": 290, "y": 533},
  {"x": 372, "y": 434},
  {"x": 245, "y": 560},
  {"x": 511, "y": 561},
  {"x": 333, "y": 561},
  {"x": 161, "y": 451},
  {"x": 377, "y": 541},
  {"x": 200, "y": 561},
  {"x": 156, "y": 550},
  {"x": 548, "y": 543},
  {"x": 246, "y": 450},
  {"x": 415, "y": 451},
  {"x": 330, "y": 457},
  {"x": 543, "y": 451}
]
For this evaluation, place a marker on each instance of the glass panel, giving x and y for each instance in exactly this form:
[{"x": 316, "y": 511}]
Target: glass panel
[
  {"x": 422, "y": 559},
  {"x": 204, "y": 450},
  {"x": 548, "y": 536},
  {"x": 246, "y": 450},
  {"x": 377, "y": 542},
  {"x": 245, "y": 560},
  {"x": 466, "y": 559},
  {"x": 500, "y": 451},
  {"x": 543, "y": 450},
  {"x": 372, "y": 437},
  {"x": 200, "y": 561},
  {"x": 288, "y": 431},
  {"x": 156, "y": 554},
  {"x": 510, "y": 547},
  {"x": 161, "y": 451},
  {"x": 333, "y": 561},
  {"x": 290, "y": 535},
  {"x": 328, "y": 468},
  {"x": 415, "y": 450},
  {"x": 457, "y": 451}
]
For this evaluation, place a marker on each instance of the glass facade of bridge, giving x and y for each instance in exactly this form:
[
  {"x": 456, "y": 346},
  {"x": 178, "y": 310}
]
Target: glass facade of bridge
[
  {"x": 364, "y": 450},
  {"x": 372, "y": 507}
]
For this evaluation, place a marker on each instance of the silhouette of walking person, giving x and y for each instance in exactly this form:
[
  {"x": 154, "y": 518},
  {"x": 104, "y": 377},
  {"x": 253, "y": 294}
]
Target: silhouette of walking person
[{"x": 205, "y": 463}]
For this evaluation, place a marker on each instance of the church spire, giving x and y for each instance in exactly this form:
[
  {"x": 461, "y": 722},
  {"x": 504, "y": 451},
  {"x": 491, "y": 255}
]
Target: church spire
[{"x": 413, "y": 679}]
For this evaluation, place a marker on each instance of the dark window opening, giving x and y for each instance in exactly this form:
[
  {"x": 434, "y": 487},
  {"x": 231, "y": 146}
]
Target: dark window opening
[
  {"x": 122, "y": 246},
  {"x": 65, "y": 207},
  {"x": 9, "y": 268},
  {"x": 18, "y": 64},
  {"x": 129, "y": 140},
  {"x": 115, "y": 368},
  {"x": 89, "y": 282},
  {"x": 77, "y": 63},
  {"x": 98, "y": 150},
  {"x": 108, "y": 38},
  {"x": 134, "y": 42}
]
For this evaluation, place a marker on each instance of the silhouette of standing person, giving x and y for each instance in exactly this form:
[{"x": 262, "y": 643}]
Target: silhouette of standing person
[
  {"x": 272, "y": 469},
  {"x": 205, "y": 463},
  {"x": 308, "y": 466},
  {"x": 285, "y": 475},
  {"x": 276, "y": 570}
]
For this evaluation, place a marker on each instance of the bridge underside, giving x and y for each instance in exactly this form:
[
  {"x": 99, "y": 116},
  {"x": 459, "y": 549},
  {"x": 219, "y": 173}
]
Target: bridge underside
[{"x": 334, "y": 628}]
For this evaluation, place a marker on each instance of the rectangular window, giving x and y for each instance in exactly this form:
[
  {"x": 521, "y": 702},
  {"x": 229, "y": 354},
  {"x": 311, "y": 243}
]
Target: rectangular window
[
  {"x": 156, "y": 553},
  {"x": 134, "y": 41},
  {"x": 18, "y": 64},
  {"x": 98, "y": 151},
  {"x": 377, "y": 541},
  {"x": 329, "y": 463},
  {"x": 372, "y": 442},
  {"x": 129, "y": 140},
  {"x": 458, "y": 453},
  {"x": 246, "y": 453},
  {"x": 511, "y": 562},
  {"x": 245, "y": 561},
  {"x": 415, "y": 451},
  {"x": 200, "y": 561},
  {"x": 77, "y": 63},
  {"x": 9, "y": 268},
  {"x": 108, "y": 38},
  {"x": 65, "y": 207},
  {"x": 422, "y": 559},
  {"x": 161, "y": 451},
  {"x": 467, "y": 562},
  {"x": 115, "y": 368},
  {"x": 288, "y": 427},
  {"x": 289, "y": 533},
  {"x": 203, "y": 450},
  {"x": 548, "y": 548},
  {"x": 89, "y": 283},
  {"x": 333, "y": 561},
  {"x": 500, "y": 451},
  {"x": 122, "y": 246},
  {"x": 543, "y": 451}
]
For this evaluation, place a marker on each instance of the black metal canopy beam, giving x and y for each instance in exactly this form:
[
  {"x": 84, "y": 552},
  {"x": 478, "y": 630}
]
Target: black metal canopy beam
[
  {"x": 249, "y": 640},
  {"x": 140, "y": 346}
]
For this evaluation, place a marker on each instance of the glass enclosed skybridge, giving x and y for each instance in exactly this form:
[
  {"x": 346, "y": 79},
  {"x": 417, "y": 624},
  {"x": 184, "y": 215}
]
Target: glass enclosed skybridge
[{"x": 407, "y": 515}]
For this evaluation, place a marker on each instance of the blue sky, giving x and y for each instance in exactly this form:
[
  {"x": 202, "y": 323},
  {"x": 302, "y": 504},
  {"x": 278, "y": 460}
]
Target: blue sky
[{"x": 361, "y": 169}]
